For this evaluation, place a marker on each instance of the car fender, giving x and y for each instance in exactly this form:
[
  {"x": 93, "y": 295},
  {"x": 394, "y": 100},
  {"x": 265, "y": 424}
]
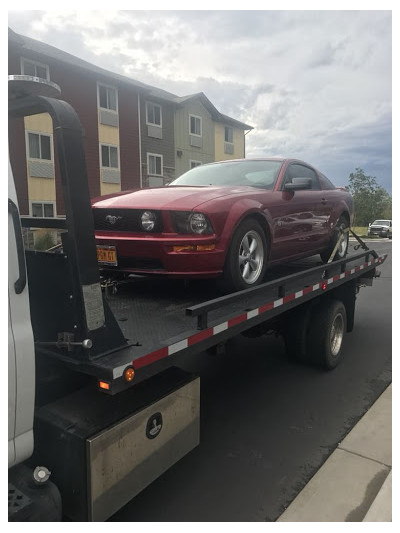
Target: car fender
[
  {"x": 239, "y": 211},
  {"x": 342, "y": 207}
]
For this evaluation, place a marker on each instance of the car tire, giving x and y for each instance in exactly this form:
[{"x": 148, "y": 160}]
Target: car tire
[
  {"x": 246, "y": 260},
  {"x": 341, "y": 252},
  {"x": 326, "y": 332}
]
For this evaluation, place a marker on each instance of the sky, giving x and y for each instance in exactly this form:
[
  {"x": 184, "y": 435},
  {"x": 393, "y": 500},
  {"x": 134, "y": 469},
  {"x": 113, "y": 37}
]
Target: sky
[{"x": 315, "y": 85}]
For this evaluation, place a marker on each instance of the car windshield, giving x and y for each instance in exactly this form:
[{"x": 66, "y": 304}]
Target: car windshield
[
  {"x": 260, "y": 173},
  {"x": 381, "y": 223}
]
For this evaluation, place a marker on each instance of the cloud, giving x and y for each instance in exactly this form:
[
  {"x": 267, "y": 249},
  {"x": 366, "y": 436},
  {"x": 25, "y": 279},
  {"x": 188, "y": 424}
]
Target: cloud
[{"x": 315, "y": 84}]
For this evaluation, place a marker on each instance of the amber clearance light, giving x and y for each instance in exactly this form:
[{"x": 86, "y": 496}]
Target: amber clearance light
[{"x": 129, "y": 373}]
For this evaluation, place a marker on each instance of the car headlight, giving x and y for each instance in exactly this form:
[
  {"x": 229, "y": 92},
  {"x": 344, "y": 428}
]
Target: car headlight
[
  {"x": 148, "y": 220},
  {"x": 189, "y": 222}
]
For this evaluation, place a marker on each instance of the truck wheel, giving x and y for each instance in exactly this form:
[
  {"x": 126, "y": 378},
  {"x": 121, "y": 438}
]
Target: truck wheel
[
  {"x": 341, "y": 252},
  {"x": 247, "y": 257},
  {"x": 296, "y": 334},
  {"x": 326, "y": 332}
]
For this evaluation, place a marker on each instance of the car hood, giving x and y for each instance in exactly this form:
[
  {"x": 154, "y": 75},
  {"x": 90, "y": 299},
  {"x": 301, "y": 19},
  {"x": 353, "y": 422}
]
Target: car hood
[{"x": 169, "y": 198}]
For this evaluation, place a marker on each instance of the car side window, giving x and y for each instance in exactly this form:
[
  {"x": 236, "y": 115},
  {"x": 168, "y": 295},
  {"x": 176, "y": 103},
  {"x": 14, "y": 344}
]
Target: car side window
[
  {"x": 326, "y": 184},
  {"x": 301, "y": 171}
]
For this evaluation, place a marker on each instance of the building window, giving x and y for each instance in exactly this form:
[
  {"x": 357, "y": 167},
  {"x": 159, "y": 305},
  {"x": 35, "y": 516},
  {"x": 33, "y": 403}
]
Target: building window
[
  {"x": 155, "y": 164},
  {"x": 32, "y": 68},
  {"x": 153, "y": 114},
  {"x": 109, "y": 156},
  {"x": 42, "y": 209},
  {"x": 195, "y": 125},
  {"x": 39, "y": 146},
  {"x": 228, "y": 134},
  {"x": 107, "y": 97},
  {"x": 194, "y": 164}
]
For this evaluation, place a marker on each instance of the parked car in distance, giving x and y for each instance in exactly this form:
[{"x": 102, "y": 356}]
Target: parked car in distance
[
  {"x": 383, "y": 228},
  {"x": 228, "y": 219}
]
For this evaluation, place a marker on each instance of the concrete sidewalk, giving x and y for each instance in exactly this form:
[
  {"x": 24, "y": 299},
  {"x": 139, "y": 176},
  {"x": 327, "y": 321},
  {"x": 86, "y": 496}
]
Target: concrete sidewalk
[{"x": 355, "y": 482}]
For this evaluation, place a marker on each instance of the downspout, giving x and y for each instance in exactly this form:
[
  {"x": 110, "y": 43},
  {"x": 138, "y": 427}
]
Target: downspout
[{"x": 244, "y": 144}]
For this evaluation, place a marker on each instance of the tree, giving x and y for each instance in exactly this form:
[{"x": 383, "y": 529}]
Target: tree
[{"x": 371, "y": 201}]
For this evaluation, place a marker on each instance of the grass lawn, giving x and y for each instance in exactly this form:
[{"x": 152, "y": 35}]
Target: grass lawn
[{"x": 361, "y": 231}]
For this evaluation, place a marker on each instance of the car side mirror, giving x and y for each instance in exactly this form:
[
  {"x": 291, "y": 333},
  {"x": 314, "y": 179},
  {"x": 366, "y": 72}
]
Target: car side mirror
[
  {"x": 369, "y": 225},
  {"x": 298, "y": 184}
]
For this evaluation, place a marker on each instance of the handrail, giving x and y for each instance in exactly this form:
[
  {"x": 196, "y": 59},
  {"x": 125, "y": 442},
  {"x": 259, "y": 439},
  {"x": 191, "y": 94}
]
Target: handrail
[{"x": 327, "y": 270}]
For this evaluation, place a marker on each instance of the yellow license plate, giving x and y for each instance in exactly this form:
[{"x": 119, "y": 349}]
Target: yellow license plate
[{"x": 107, "y": 255}]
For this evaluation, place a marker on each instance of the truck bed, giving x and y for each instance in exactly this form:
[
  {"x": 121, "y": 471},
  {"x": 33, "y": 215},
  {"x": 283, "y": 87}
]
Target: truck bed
[{"x": 165, "y": 319}]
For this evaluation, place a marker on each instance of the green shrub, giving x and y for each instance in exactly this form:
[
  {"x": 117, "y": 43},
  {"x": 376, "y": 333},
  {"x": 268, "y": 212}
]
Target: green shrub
[{"x": 44, "y": 240}]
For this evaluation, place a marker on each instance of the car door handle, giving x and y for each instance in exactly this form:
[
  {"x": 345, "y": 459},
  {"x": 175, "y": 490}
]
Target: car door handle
[{"x": 324, "y": 201}]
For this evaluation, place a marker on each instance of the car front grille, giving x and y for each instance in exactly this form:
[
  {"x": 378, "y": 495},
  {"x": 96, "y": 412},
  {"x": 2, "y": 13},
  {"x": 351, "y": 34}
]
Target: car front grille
[{"x": 123, "y": 220}]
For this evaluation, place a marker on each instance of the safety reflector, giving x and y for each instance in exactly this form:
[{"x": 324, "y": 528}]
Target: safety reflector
[{"x": 104, "y": 385}]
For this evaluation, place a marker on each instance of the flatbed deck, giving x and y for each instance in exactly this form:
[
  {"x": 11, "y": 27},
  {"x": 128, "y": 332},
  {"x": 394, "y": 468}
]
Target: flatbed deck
[{"x": 163, "y": 319}]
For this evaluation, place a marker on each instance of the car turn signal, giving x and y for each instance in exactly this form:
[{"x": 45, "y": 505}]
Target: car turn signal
[{"x": 194, "y": 248}]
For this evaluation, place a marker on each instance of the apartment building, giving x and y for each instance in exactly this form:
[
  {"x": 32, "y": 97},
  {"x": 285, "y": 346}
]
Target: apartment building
[{"x": 135, "y": 135}]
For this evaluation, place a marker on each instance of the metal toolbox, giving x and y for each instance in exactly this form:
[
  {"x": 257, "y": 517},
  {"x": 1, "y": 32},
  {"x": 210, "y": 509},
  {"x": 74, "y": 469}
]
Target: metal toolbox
[{"x": 100, "y": 463}]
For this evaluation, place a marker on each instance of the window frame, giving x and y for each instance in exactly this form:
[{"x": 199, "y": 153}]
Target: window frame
[
  {"x": 108, "y": 87},
  {"x": 230, "y": 128},
  {"x": 43, "y": 203},
  {"x": 286, "y": 177},
  {"x": 149, "y": 154},
  {"x": 36, "y": 64},
  {"x": 101, "y": 156},
  {"x": 148, "y": 123},
  {"x": 43, "y": 134},
  {"x": 201, "y": 125}
]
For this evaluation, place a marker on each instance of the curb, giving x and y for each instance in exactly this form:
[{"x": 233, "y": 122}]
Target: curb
[{"x": 355, "y": 482}]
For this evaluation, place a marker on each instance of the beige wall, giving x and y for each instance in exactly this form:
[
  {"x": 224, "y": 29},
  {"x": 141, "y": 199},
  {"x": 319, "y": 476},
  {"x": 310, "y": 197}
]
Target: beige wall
[
  {"x": 41, "y": 189},
  {"x": 108, "y": 135},
  {"x": 238, "y": 143}
]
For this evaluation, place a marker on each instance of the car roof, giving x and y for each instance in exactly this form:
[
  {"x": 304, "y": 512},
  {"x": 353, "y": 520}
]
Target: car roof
[{"x": 279, "y": 159}]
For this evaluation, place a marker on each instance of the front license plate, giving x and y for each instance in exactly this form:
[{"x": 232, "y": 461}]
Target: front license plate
[{"x": 107, "y": 255}]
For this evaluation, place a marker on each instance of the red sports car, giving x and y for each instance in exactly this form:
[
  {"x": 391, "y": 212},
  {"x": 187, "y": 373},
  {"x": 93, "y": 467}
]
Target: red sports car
[{"x": 228, "y": 219}]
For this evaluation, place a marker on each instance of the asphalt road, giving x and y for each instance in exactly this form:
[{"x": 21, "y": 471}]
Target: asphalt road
[{"x": 267, "y": 425}]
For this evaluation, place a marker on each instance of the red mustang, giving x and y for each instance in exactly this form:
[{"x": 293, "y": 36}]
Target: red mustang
[{"x": 228, "y": 219}]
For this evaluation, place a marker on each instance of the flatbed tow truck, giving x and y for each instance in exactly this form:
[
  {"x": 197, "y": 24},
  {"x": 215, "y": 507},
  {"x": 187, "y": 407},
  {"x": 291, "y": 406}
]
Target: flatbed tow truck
[{"x": 98, "y": 407}]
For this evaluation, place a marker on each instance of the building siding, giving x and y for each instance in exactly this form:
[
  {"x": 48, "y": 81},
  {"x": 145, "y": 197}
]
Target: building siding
[
  {"x": 164, "y": 146},
  {"x": 79, "y": 88},
  {"x": 129, "y": 138},
  {"x": 238, "y": 143},
  {"x": 185, "y": 152}
]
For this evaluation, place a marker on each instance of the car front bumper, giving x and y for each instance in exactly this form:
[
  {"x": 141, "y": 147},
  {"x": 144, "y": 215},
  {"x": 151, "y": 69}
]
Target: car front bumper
[
  {"x": 379, "y": 232},
  {"x": 189, "y": 256}
]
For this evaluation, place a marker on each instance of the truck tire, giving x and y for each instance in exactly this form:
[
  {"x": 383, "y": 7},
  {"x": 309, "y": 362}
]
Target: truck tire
[
  {"x": 326, "y": 332},
  {"x": 296, "y": 334},
  {"x": 246, "y": 260}
]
